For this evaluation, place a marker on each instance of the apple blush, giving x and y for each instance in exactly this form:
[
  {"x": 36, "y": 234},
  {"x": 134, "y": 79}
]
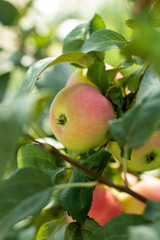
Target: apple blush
[{"x": 79, "y": 116}]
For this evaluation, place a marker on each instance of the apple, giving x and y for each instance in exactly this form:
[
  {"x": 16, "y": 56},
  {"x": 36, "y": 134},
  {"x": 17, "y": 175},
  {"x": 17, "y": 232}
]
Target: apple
[
  {"x": 80, "y": 76},
  {"x": 104, "y": 205},
  {"x": 149, "y": 188},
  {"x": 144, "y": 158},
  {"x": 79, "y": 116}
]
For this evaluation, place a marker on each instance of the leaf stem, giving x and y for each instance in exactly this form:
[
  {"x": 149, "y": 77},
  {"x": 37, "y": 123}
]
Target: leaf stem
[
  {"x": 38, "y": 130},
  {"x": 125, "y": 164},
  {"x": 79, "y": 184},
  {"x": 86, "y": 170}
]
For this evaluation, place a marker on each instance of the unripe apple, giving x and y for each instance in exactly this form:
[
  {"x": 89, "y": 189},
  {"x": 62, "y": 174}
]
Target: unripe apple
[
  {"x": 104, "y": 205},
  {"x": 149, "y": 188},
  {"x": 79, "y": 116},
  {"x": 80, "y": 75},
  {"x": 144, "y": 158}
]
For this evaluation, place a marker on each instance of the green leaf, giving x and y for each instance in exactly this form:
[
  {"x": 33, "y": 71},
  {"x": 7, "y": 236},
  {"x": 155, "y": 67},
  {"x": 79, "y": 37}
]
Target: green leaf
[
  {"x": 128, "y": 62},
  {"x": 8, "y": 13},
  {"x": 36, "y": 69},
  {"x": 115, "y": 95},
  {"x": 97, "y": 74},
  {"x": 40, "y": 100},
  {"x": 131, "y": 23},
  {"x": 156, "y": 16},
  {"x": 96, "y": 23},
  {"x": 150, "y": 230},
  {"x": 4, "y": 79},
  {"x": 145, "y": 41},
  {"x": 34, "y": 155},
  {"x": 103, "y": 40},
  {"x": 13, "y": 119},
  {"x": 118, "y": 227},
  {"x": 137, "y": 125},
  {"x": 46, "y": 230},
  {"x": 22, "y": 233},
  {"x": 76, "y": 231},
  {"x": 10, "y": 130},
  {"x": 52, "y": 230},
  {"x": 54, "y": 78},
  {"x": 134, "y": 79},
  {"x": 152, "y": 211},
  {"x": 21, "y": 195},
  {"x": 111, "y": 74},
  {"x": 75, "y": 39},
  {"x": 77, "y": 201},
  {"x": 145, "y": 232},
  {"x": 149, "y": 84}
]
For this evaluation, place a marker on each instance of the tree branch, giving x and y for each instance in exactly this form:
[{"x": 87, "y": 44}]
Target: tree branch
[{"x": 97, "y": 177}]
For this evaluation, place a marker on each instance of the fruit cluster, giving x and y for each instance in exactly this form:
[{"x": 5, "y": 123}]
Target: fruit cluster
[
  {"x": 108, "y": 203},
  {"x": 79, "y": 117}
]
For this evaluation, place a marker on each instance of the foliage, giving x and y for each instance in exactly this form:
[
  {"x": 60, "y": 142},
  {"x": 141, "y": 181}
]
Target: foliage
[
  {"x": 37, "y": 185},
  {"x": 81, "y": 231},
  {"x": 77, "y": 201}
]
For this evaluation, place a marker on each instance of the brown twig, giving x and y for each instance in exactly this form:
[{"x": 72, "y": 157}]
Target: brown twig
[
  {"x": 103, "y": 146},
  {"x": 98, "y": 178}
]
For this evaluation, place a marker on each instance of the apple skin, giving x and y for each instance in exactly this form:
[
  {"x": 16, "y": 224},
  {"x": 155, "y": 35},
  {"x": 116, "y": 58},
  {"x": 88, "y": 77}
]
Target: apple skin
[
  {"x": 80, "y": 76},
  {"x": 79, "y": 116},
  {"x": 104, "y": 205},
  {"x": 149, "y": 188},
  {"x": 140, "y": 160}
]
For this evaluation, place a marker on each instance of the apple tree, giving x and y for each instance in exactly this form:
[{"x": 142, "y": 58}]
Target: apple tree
[{"x": 54, "y": 190}]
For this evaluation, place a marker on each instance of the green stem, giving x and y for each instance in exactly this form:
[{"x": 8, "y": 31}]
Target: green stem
[
  {"x": 125, "y": 164},
  {"x": 38, "y": 130},
  {"x": 73, "y": 185}
]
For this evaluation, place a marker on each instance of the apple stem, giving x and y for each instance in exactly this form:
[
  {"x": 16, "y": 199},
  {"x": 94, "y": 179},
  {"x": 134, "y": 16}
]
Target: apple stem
[{"x": 86, "y": 170}]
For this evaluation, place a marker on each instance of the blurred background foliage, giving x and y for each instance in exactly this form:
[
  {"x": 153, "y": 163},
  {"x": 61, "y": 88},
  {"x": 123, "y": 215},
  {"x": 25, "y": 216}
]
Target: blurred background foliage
[{"x": 34, "y": 29}]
